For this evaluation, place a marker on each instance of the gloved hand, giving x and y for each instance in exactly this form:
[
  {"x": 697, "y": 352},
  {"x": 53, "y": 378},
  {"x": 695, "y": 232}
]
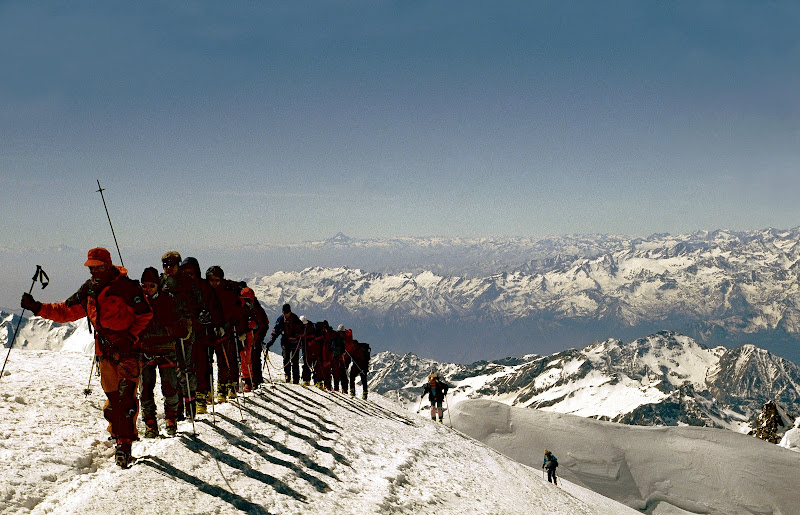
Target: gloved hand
[
  {"x": 220, "y": 331},
  {"x": 29, "y": 303},
  {"x": 242, "y": 337},
  {"x": 204, "y": 317}
]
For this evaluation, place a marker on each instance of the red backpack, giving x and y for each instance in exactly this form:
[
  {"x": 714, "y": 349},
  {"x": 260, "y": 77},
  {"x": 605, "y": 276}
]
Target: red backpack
[{"x": 348, "y": 340}]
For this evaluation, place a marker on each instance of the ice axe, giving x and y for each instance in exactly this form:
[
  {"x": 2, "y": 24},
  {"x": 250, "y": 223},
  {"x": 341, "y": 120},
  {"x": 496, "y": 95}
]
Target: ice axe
[{"x": 40, "y": 276}]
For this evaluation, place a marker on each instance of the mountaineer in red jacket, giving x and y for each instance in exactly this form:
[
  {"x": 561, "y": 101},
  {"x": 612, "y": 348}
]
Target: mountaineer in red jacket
[{"x": 118, "y": 310}]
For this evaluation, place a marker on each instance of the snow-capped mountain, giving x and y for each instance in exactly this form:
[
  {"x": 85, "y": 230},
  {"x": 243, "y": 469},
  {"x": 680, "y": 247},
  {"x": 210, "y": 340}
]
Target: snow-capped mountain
[
  {"x": 663, "y": 379},
  {"x": 721, "y": 288},
  {"x": 37, "y": 333}
]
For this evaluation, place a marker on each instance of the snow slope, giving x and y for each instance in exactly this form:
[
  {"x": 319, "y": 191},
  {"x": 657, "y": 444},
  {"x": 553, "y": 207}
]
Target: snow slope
[
  {"x": 289, "y": 450},
  {"x": 653, "y": 469}
]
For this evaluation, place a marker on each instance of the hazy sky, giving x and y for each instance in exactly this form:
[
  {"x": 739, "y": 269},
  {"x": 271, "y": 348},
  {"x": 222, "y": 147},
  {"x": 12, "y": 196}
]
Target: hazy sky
[{"x": 232, "y": 122}]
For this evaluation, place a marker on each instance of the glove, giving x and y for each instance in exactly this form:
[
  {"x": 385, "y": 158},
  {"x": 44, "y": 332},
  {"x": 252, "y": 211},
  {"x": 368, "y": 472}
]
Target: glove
[
  {"x": 220, "y": 331},
  {"x": 242, "y": 337},
  {"x": 204, "y": 317},
  {"x": 29, "y": 303}
]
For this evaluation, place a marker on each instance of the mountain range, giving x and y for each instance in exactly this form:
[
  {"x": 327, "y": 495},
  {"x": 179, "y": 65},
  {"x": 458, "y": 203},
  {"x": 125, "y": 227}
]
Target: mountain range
[
  {"x": 720, "y": 288},
  {"x": 665, "y": 379}
]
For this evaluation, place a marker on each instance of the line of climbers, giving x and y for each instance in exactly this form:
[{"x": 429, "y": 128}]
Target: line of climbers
[{"x": 175, "y": 324}]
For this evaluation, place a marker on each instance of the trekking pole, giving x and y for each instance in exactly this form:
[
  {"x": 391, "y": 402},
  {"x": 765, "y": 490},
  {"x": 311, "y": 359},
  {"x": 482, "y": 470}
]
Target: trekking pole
[
  {"x": 101, "y": 190},
  {"x": 227, "y": 362},
  {"x": 88, "y": 390},
  {"x": 188, "y": 388},
  {"x": 239, "y": 364},
  {"x": 420, "y": 403},
  {"x": 40, "y": 276},
  {"x": 267, "y": 364},
  {"x": 211, "y": 395}
]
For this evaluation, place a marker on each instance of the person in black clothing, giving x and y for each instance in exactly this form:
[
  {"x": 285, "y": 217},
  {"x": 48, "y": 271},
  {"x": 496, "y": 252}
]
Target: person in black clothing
[
  {"x": 550, "y": 463},
  {"x": 436, "y": 391},
  {"x": 288, "y": 327}
]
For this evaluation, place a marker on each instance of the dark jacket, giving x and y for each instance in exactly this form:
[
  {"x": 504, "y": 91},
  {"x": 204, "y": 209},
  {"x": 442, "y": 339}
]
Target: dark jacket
[
  {"x": 436, "y": 392},
  {"x": 167, "y": 326},
  {"x": 550, "y": 461},
  {"x": 289, "y": 327},
  {"x": 234, "y": 317},
  {"x": 262, "y": 321}
]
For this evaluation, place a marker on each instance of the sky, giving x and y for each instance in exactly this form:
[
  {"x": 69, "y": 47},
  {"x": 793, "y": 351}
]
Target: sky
[{"x": 227, "y": 123}]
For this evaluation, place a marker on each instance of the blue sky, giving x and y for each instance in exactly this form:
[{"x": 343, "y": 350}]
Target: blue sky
[{"x": 224, "y": 123}]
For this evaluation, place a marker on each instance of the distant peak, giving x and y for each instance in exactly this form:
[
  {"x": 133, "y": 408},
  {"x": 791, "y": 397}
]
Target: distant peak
[{"x": 340, "y": 237}]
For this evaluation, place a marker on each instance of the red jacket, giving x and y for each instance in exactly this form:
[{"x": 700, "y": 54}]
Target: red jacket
[{"x": 119, "y": 312}]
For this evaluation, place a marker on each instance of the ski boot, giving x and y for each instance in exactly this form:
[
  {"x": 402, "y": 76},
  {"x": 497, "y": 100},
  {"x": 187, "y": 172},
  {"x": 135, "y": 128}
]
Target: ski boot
[
  {"x": 306, "y": 383},
  {"x": 122, "y": 456},
  {"x": 191, "y": 409},
  {"x": 180, "y": 415},
  {"x": 232, "y": 391},
  {"x": 200, "y": 404},
  {"x": 172, "y": 427},
  {"x": 222, "y": 393},
  {"x": 364, "y": 395},
  {"x": 353, "y": 394},
  {"x": 248, "y": 386},
  {"x": 152, "y": 428}
]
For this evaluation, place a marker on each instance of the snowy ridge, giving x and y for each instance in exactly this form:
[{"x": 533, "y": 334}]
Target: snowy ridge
[
  {"x": 663, "y": 379},
  {"x": 289, "y": 450}
]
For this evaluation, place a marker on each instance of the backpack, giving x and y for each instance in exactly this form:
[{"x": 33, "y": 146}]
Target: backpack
[
  {"x": 348, "y": 340},
  {"x": 553, "y": 461}
]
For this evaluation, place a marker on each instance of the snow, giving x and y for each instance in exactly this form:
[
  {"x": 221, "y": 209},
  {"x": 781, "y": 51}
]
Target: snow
[
  {"x": 290, "y": 449},
  {"x": 791, "y": 439},
  {"x": 653, "y": 469}
]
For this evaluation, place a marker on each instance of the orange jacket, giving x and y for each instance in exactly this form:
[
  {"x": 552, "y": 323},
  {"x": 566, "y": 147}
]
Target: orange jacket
[{"x": 119, "y": 312}]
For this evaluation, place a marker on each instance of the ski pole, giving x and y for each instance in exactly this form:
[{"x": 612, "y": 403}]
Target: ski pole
[
  {"x": 185, "y": 374},
  {"x": 420, "y": 403},
  {"x": 88, "y": 391},
  {"x": 101, "y": 190},
  {"x": 40, "y": 276},
  {"x": 267, "y": 364},
  {"x": 227, "y": 362},
  {"x": 448, "y": 411},
  {"x": 239, "y": 364},
  {"x": 211, "y": 395}
]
